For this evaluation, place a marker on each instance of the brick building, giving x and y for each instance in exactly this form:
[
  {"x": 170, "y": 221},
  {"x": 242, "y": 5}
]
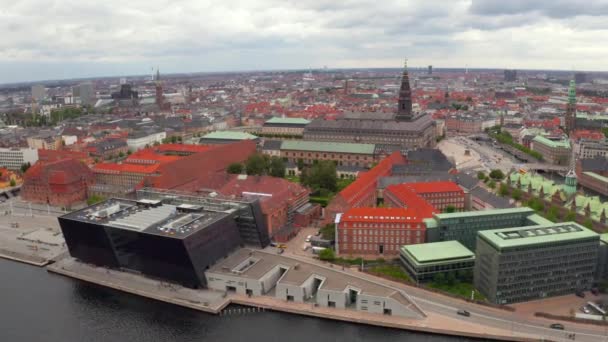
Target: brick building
[
  {"x": 58, "y": 183},
  {"x": 378, "y": 231},
  {"x": 440, "y": 194},
  {"x": 280, "y": 201},
  {"x": 344, "y": 154},
  {"x": 362, "y": 192},
  {"x": 553, "y": 151}
]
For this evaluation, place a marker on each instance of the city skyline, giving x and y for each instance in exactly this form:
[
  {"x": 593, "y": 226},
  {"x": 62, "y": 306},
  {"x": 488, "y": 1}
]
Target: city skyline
[{"x": 111, "y": 38}]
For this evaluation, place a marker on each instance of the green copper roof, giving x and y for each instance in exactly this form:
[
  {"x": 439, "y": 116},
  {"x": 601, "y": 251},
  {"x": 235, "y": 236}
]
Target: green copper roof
[
  {"x": 291, "y": 121},
  {"x": 229, "y": 135},
  {"x": 436, "y": 252},
  {"x": 535, "y": 235},
  {"x": 300, "y": 145},
  {"x": 552, "y": 143},
  {"x": 463, "y": 214}
]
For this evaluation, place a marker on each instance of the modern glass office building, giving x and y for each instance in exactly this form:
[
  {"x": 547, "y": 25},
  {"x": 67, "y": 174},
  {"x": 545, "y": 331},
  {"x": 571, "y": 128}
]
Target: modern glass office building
[
  {"x": 163, "y": 235},
  {"x": 527, "y": 263},
  {"x": 463, "y": 226},
  {"x": 423, "y": 261}
]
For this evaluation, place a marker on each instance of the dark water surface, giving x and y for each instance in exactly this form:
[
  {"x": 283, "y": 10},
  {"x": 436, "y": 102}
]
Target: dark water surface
[{"x": 40, "y": 306}]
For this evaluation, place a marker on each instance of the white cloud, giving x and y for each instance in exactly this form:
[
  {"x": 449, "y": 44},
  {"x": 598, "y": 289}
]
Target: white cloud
[{"x": 69, "y": 38}]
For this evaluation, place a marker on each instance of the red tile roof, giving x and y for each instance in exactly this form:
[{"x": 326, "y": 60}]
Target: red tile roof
[
  {"x": 352, "y": 191},
  {"x": 57, "y": 174},
  {"x": 431, "y": 187},
  {"x": 411, "y": 199},
  {"x": 128, "y": 168},
  {"x": 381, "y": 214},
  {"x": 149, "y": 156},
  {"x": 186, "y": 172},
  {"x": 182, "y": 148}
]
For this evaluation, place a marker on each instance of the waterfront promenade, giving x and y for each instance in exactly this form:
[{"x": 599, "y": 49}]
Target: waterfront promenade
[{"x": 214, "y": 302}]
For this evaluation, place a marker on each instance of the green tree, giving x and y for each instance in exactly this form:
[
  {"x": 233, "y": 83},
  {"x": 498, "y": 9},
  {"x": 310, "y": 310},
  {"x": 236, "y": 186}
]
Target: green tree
[
  {"x": 327, "y": 255},
  {"x": 449, "y": 209},
  {"x": 25, "y": 167},
  {"x": 328, "y": 232},
  {"x": 255, "y": 165},
  {"x": 94, "y": 199},
  {"x": 235, "y": 168},
  {"x": 492, "y": 184},
  {"x": 300, "y": 164},
  {"x": 121, "y": 154},
  {"x": 450, "y": 278},
  {"x": 277, "y": 167},
  {"x": 516, "y": 194},
  {"x": 497, "y": 175},
  {"x": 588, "y": 223},
  {"x": 570, "y": 216},
  {"x": 12, "y": 182},
  {"x": 481, "y": 175},
  {"x": 321, "y": 176},
  {"x": 503, "y": 190},
  {"x": 439, "y": 279}
]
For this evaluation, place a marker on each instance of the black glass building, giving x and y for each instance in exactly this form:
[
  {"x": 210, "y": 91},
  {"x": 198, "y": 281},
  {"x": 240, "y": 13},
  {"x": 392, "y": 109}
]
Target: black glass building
[{"x": 163, "y": 235}]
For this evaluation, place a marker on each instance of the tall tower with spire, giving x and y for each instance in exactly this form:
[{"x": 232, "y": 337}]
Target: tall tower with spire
[
  {"x": 570, "y": 181},
  {"x": 571, "y": 108},
  {"x": 159, "y": 89},
  {"x": 404, "y": 112}
]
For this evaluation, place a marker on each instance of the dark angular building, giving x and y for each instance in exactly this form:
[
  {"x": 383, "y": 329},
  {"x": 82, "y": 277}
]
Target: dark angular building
[
  {"x": 510, "y": 75},
  {"x": 167, "y": 235}
]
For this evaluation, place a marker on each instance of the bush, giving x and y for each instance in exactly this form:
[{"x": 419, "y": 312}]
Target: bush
[
  {"x": 481, "y": 175},
  {"x": 497, "y": 174},
  {"x": 503, "y": 190},
  {"x": 327, "y": 255},
  {"x": 235, "y": 168}
]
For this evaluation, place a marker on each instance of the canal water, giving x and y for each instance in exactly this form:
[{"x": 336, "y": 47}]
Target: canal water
[{"x": 39, "y": 306}]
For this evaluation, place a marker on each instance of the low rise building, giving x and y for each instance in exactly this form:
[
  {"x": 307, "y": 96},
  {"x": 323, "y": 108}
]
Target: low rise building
[
  {"x": 45, "y": 141},
  {"x": 138, "y": 140},
  {"x": 347, "y": 154},
  {"x": 13, "y": 158},
  {"x": 284, "y": 127},
  {"x": 441, "y": 195},
  {"x": 592, "y": 173},
  {"x": 424, "y": 261},
  {"x": 257, "y": 273},
  {"x": 107, "y": 148},
  {"x": 587, "y": 149},
  {"x": 226, "y": 137},
  {"x": 58, "y": 183},
  {"x": 527, "y": 263},
  {"x": 553, "y": 151}
]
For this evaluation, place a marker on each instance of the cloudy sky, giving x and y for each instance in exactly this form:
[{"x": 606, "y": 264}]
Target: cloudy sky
[{"x": 54, "y": 39}]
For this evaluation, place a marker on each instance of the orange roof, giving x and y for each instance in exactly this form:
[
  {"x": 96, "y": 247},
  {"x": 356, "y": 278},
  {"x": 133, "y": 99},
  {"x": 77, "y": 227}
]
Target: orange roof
[
  {"x": 383, "y": 168},
  {"x": 130, "y": 168},
  {"x": 183, "y": 148},
  {"x": 411, "y": 199},
  {"x": 381, "y": 214},
  {"x": 432, "y": 187},
  {"x": 149, "y": 156}
]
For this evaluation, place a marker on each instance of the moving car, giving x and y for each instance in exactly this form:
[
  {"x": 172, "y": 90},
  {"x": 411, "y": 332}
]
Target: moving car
[
  {"x": 464, "y": 313},
  {"x": 557, "y": 326},
  {"x": 308, "y": 238}
]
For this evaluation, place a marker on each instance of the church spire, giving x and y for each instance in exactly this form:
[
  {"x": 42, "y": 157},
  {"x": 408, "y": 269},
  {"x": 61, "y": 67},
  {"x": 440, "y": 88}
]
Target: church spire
[
  {"x": 404, "y": 112},
  {"x": 571, "y": 108}
]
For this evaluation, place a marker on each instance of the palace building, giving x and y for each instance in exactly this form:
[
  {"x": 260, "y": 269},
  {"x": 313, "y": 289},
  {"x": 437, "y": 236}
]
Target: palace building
[{"x": 405, "y": 128}]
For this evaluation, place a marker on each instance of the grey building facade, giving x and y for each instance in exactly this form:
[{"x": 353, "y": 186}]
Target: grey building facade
[{"x": 521, "y": 264}]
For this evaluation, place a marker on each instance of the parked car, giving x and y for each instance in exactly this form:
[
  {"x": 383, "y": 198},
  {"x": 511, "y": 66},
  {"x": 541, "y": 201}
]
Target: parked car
[
  {"x": 308, "y": 238},
  {"x": 464, "y": 313},
  {"x": 585, "y": 310},
  {"x": 595, "y": 291},
  {"x": 280, "y": 251},
  {"x": 273, "y": 244},
  {"x": 557, "y": 326},
  {"x": 580, "y": 293}
]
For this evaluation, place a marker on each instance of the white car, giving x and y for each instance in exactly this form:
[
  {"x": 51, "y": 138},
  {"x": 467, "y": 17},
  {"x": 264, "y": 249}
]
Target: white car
[{"x": 308, "y": 238}]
